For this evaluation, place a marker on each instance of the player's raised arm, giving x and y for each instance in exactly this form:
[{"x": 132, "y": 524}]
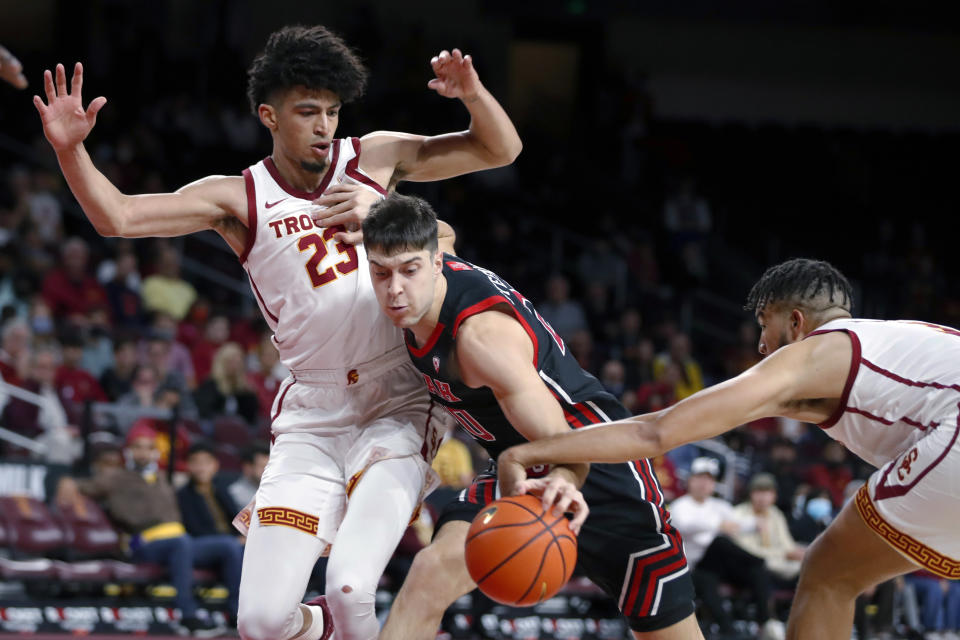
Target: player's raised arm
[
  {"x": 777, "y": 386},
  {"x": 494, "y": 351},
  {"x": 491, "y": 141},
  {"x": 66, "y": 124}
]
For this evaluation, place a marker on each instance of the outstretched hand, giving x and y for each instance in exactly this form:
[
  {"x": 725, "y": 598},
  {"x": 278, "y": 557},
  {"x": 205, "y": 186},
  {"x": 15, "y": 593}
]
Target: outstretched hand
[
  {"x": 456, "y": 77},
  {"x": 11, "y": 70},
  {"x": 65, "y": 122}
]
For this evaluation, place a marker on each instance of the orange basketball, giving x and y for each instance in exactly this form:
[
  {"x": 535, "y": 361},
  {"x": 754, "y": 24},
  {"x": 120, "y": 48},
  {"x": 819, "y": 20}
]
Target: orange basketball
[{"x": 518, "y": 554}]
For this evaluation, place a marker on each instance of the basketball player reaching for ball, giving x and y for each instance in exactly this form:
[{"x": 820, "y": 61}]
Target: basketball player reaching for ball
[
  {"x": 503, "y": 372},
  {"x": 888, "y": 390},
  {"x": 352, "y": 420}
]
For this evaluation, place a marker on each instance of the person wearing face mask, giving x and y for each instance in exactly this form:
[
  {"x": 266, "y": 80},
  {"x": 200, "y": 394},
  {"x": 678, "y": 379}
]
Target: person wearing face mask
[{"x": 141, "y": 502}]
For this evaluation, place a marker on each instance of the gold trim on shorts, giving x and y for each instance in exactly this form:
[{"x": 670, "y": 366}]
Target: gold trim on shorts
[
  {"x": 292, "y": 518},
  {"x": 931, "y": 560}
]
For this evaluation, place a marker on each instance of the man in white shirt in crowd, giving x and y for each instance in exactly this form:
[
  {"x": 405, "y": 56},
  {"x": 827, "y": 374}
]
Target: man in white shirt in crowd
[
  {"x": 764, "y": 531},
  {"x": 708, "y": 526}
]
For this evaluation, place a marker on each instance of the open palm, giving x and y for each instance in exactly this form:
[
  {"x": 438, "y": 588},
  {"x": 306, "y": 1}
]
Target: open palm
[{"x": 65, "y": 122}]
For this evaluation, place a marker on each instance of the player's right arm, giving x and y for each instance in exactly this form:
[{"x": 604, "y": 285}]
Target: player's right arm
[
  {"x": 494, "y": 351},
  {"x": 783, "y": 384},
  {"x": 205, "y": 204}
]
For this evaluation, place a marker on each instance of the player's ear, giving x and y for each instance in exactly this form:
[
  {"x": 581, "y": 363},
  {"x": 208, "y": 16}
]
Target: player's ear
[
  {"x": 437, "y": 262},
  {"x": 268, "y": 116},
  {"x": 797, "y": 323}
]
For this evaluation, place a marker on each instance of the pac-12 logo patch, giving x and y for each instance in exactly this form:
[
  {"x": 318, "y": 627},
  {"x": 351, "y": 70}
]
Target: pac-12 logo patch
[
  {"x": 436, "y": 364},
  {"x": 459, "y": 266}
]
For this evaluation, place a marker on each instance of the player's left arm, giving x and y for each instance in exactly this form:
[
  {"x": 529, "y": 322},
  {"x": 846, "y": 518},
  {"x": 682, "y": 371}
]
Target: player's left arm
[
  {"x": 815, "y": 368},
  {"x": 494, "y": 351},
  {"x": 491, "y": 140}
]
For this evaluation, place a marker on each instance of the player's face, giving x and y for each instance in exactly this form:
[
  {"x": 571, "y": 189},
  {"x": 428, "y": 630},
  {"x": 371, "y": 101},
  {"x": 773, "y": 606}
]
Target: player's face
[
  {"x": 775, "y": 328},
  {"x": 404, "y": 284},
  {"x": 303, "y": 123}
]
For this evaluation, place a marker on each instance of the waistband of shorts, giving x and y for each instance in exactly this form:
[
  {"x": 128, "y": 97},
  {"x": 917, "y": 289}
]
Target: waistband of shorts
[{"x": 356, "y": 373}]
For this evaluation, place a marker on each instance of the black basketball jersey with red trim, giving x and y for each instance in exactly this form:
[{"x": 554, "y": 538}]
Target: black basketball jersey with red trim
[{"x": 472, "y": 289}]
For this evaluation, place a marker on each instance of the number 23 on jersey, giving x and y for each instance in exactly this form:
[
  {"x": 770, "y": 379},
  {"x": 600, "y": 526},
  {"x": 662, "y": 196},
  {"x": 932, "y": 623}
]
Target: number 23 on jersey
[{"x": 319, "y": 243}]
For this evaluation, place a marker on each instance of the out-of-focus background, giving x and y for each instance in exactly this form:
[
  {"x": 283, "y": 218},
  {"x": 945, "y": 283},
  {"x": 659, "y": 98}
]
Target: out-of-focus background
[{"x": 671, "y": 153}]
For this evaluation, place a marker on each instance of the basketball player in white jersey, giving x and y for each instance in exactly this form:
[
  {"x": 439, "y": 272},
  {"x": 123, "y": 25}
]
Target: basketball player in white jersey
[
  {"x": 353, "y": 432},
  {"x": 888, "y": 390}
]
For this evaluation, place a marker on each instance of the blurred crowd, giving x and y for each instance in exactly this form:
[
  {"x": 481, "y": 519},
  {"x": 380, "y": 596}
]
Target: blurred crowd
[{"x": 638, "y": 250}]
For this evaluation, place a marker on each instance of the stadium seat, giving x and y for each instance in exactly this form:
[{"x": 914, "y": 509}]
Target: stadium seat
[
  {"x": 87, "y": 571},
  {"x": 35, "y": 569},
  {"x": 89, "y": 531},
  {"x": 231, "y": 430},
  {"x": 228, "y": 458},
  {"x": 32, "y": 529}
]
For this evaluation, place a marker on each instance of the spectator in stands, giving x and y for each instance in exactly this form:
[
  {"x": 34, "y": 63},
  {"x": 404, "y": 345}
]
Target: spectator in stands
[
  {"x": 691, "y": 373},
  {"x": 170, "y": 357},
  {"x": 117, "y": 380},
  {"x": 266, "y": 374},
  {"x": 126, "y": 306},
  {"x": 253, "y": 460},
  {"x": 69, "y": 290},
  {"x": 780, "y": 461},
  {"x": 143, "y": 504},
  {"x": 708, "y": 526},
  {"x": 46, "y": 422},
  {"x": 686, "y": 214},
  {"x": 227, "y": 391},
  {"x": 831, "y": 472},
  {"x": 207, "y": 511},
  {"x": 743, "y": 354},
  {"x": 165, "y": 290},
  {"x": 764, "y": 531},
  {"x": 98, "y": 342},
  {"x": 74, "y": 384},
  {"x": 215, "y": 334},
  {"x": 566, "y": 316},
  {"x": 15, "y": 340},
  {"x": 601, "y": 315},
  {"x": 42, "y": 322},
  {"x": 613, "y": 377},
  {"x": 813, "y": 513}
]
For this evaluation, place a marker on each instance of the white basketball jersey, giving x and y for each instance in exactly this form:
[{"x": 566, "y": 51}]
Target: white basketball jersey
[
  {"x": 904, "y": 381},
  {"x": 315, "y": 293}
]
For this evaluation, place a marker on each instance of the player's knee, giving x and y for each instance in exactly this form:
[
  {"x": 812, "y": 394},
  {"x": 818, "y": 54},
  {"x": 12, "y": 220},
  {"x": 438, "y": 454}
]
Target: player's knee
[
  {"x": 265, "y": 623},
  {"x": 427, "y": 574}
]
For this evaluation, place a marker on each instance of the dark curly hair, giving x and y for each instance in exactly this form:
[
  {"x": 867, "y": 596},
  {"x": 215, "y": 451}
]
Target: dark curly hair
[
  {"x": 800, "y": 281},
  {"x": 400, "y": 223},
  {"x": 312, "y": 57}
]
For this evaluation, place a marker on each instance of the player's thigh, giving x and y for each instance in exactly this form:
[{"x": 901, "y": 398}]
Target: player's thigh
[
  {"x": 277, "y": 564},
  {"x": 850, "y": 557}
]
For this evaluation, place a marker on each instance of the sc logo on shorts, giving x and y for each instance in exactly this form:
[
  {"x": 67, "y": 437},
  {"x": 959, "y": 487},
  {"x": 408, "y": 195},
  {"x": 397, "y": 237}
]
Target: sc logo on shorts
[{"x": 904, "y": 469}]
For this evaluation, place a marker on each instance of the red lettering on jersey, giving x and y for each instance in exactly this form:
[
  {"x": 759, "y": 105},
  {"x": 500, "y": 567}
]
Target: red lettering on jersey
[
  {"x": 459, "y": 266},
  {"x": 446, "y": 393},
  {"x": 439, "y": 388},
  {"x": 305, "y": 222},
  {"x": 276, "y": 227},
  {"x": 291, "y": 224}
]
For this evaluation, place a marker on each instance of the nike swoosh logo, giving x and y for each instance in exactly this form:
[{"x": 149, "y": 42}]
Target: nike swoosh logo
[{"x": 273, "y": 204}]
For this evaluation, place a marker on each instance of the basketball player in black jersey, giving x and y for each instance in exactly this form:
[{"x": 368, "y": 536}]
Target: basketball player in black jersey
[{"x": 500, "y": 369}]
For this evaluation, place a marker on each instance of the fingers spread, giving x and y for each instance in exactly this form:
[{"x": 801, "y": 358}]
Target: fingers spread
[
  {"x": 38, "y": 103},
  {"x": 77, "y": 83},
  {"x": 95, "y": 106},
  {"x": 61, "y": 81},
  {"x": 48, "y": 86}
]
